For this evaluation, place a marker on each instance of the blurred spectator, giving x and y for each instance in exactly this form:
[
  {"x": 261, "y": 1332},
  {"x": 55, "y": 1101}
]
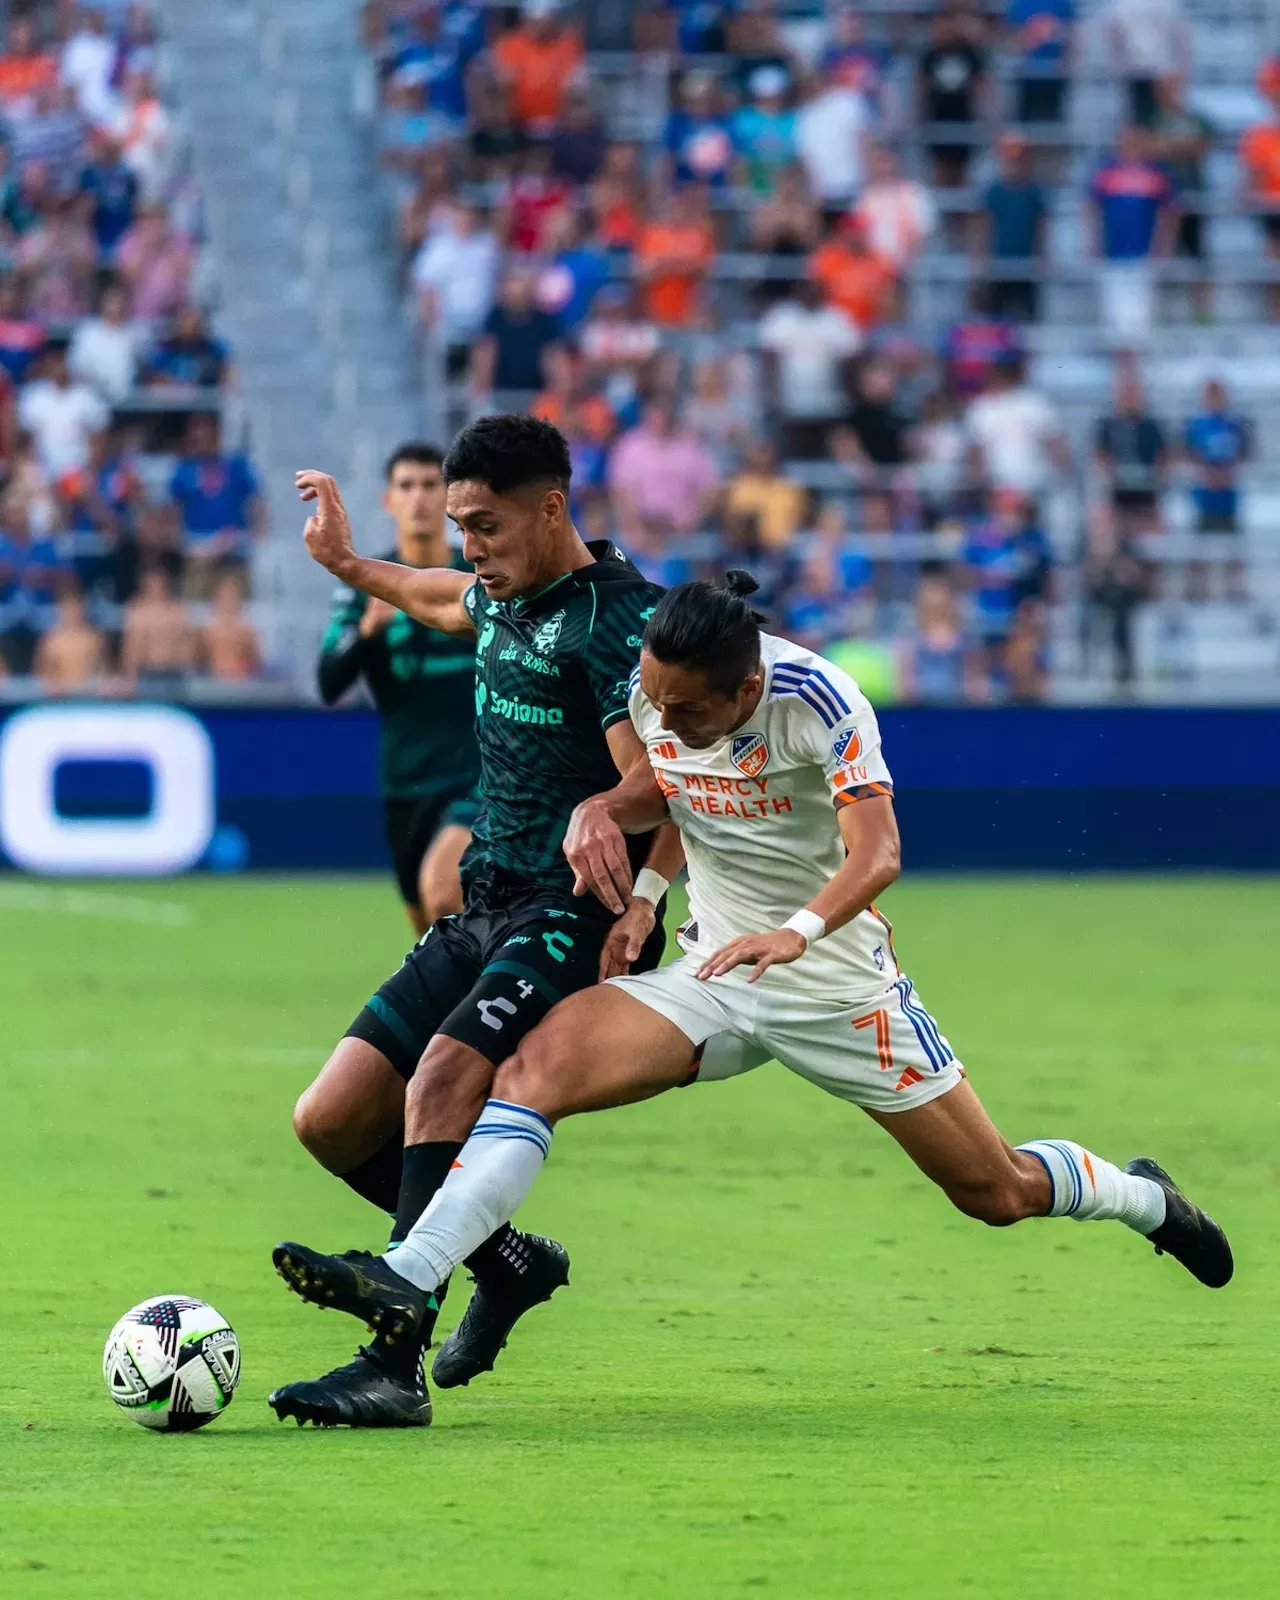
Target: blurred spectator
[
  {"x": 852, "y": 61},
  {"x": 897, "y": 212},
  {"x": 1135, "y": 216},
  {"x": 188, "y": 357},
  {"x": 1042, "y": 34},
  {"x": 156, "y": 543},
  {"x": 764, "y": 132},
  {"x": 88, "y": 67},
  {"x": 455, "y": 276},
  {"x": 230, "y": 650},
  {"x": 496, "y": 142},
  {"x": 852, "y": 276},
  {"x": 1117, "y": 579},
  {"x": 160, "y": 643},
  {"x": 217, "y": 495},
  {"x": 104, "y": 349},
  {"x": 807, "y": 346},
  {"x": 618, "y": 343},
  {"x": 833, "y": 598},
  {"x": 771, "y": 504},
  {"x": 52, "y": 135},
  {"x": 717, "y": 410},
  {"x": 567, "y": 394},
  {"x": 699, "y": 138},
  {"x": 406, "y": 126},
  {"x": 579, "y": 142},
  {"x": 145, "y": 134},
  {"x": 112, "y": 188},
  {"x": 937, "y": 448},
  {"x": 673, "y": 256},
  {"x": 1131, "y": 453},
  {"x": 72, "y": 655},
  {"x": 936, "y": 654},
  {"x": 952, "y": 79},
  {"x": 25, "y": 70},
  {"x": 1260, "y": 161},
  {"x": 1145, "y": 40},
  {"x": 22, "y": 336},
  {"x": 1181, "y": 140},
  {"x": 1217, "y": 443},
  {"x": 27, "y": 197},
  {"x": 509, "y": 354},
  {"x": 61, "y": 414},
  {"x": 972, "y": 347},
  {"x": 1006, "y": 563},
  {"x": 831, "y": 131},
  {"x": 660, "y": 476},
  {"x": 614, "y": 197},
  {"x": 156, "y": 262},
  {"x": 1010, "y": 232},
  {"x": 89, "y": 540},
  {"x": 786, "y": 224},
  {"x": 57, "y": 258},
  {"x": 1016, "y": 434},
  {"x": 537, "y": 62},
  {"x": 534, "y": 201},
  {"x": 875, "y": 436},
  {"x": 574, "y": 272}
]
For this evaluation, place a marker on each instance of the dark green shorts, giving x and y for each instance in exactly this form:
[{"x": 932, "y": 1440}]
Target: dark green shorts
[{"x": 412, "y": 822}]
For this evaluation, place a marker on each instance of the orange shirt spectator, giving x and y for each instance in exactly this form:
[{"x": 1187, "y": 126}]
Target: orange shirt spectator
[
  {"x": 672, "y": 258},
  {"x": 1260, "y": 156},
  {"x": 24, "y": 70},
  {"x": 538, "y": 61},
  {"x": 852, "y": 276},
  {"x": 593, "y": 412}
]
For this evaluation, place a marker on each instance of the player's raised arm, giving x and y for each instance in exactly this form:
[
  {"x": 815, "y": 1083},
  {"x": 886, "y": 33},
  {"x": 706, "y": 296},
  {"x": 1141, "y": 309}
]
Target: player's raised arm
[
  {"x": 433, "y": 595},
  {"x": 594, "y": 843}
]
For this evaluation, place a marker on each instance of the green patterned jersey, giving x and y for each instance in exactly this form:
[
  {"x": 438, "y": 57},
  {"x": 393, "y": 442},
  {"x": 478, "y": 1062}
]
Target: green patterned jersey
[
  {"x": 422, "y": 682},
  {"x": 552, "y": 674}
]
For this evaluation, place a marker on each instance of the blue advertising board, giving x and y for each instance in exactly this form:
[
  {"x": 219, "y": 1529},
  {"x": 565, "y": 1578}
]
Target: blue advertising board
[{"x": 121, "y": 788}]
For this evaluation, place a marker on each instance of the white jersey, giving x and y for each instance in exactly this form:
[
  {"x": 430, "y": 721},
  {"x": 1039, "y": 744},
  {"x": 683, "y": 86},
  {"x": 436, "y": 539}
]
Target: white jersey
[{"x": 757, "y": 814}]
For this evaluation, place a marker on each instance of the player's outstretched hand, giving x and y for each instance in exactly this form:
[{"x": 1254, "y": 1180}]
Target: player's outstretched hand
[
  {"x": 626, "y": 938},
  {"x": 597, "y": 851},
  {"x": 327, "y": 534},
  {"x": 764, "y": 949}
]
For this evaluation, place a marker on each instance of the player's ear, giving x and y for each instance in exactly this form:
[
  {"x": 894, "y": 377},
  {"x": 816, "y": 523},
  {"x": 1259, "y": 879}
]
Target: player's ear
[{"x": 554, "y": 504}]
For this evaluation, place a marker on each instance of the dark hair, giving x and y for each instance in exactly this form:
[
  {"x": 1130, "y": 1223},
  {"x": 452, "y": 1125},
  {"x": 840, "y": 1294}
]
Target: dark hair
[
  {"x": 509, "y": 451},
  {"x": 415, "y": 453},
  {"x": 708, "y": 628}
]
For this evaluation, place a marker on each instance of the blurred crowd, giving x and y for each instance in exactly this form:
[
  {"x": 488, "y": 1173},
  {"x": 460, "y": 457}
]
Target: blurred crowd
[
  {"x": 125, "y": 522},
  {"x": 721, "y": 317}
]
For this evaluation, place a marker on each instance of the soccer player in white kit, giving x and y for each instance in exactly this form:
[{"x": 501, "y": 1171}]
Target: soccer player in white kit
[{"x": 768, "y": 759}]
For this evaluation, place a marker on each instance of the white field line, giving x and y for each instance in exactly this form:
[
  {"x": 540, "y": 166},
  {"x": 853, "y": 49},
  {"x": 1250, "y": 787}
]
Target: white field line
[{"x": 93, "y": 903}]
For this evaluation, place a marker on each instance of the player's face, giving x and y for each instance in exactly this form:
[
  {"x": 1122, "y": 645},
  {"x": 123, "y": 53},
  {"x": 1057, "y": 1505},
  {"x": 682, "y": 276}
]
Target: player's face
[
  {"x": 697, "y": 714},
  {"x": 506, "y": 538},
  {"x": 414, "y": 498}
]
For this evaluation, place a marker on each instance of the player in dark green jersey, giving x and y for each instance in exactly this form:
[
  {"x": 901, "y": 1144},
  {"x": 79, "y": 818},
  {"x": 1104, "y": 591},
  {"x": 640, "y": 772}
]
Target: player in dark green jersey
[
  {"x": 556, "y": 627},
  {"x": 421, "y": 683}
]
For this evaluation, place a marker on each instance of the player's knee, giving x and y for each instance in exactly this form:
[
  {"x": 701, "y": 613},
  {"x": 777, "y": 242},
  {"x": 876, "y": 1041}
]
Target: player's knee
[
  {"x": 997, "y": 1201},
  {"x": 528, "y": 1078},
  {"x": 449, "y": 1083},
  {"x": 317, "y": 1127}
]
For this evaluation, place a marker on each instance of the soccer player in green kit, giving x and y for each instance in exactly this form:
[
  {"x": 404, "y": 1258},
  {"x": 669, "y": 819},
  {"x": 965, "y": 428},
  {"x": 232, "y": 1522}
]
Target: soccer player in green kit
[
  {"x": 421, "y": 683},
  {"x": 555, "y": 627}
]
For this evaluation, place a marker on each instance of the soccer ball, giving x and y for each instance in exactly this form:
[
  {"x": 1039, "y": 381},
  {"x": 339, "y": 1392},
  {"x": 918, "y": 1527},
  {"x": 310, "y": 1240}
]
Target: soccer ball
[{"x": 172, "y": 1363}]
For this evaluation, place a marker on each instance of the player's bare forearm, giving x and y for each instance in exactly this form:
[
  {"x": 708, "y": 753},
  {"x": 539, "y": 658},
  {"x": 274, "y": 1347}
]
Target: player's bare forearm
[
  {"x": 666, "y": 853},
  {"x": 594, "y": 843},
  {"x": 874, "y": 860}
]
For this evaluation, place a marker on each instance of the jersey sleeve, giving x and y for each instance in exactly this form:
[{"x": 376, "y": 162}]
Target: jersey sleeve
[
  {"x": 612, "y": 651},
  {"x": 342, "y": 647},
  {"x": 837, "y": 728},
  {"x": 471, "y": 603}
]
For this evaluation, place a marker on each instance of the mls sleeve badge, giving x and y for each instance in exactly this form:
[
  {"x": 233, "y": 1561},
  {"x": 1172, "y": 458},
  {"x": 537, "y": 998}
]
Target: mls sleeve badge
[
  {"x": 846, "y": 746},
  {"x": 749, "y": 753}
]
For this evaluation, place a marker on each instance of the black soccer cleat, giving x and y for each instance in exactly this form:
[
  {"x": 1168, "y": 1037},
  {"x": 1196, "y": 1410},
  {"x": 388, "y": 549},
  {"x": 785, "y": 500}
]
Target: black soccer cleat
[
  {"x": 357, "y": 1282},
  {"x": 1187, "y": 1234},
  {"x": 363, "y": 1394},
  {"x": 496, "y": 1306}
]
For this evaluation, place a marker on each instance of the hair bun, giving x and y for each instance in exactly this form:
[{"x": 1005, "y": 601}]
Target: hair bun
[{"x": 741, "y": 583}]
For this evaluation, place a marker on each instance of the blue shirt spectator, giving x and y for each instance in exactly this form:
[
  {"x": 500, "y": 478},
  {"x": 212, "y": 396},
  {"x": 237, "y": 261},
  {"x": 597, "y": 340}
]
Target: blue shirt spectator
[
  {"x": 1016, "y": 208},
  {"x": 1131, "y": 194},
  {"x": 188, "y": 357},
  {"x": 570, "y": 281},
  {"x": 1217, "y": 444},
  {"x": 45, "y": 570},
  {"x": 113, "y": 190},
  {"x": 215, "y": 492},
  {"x": 699, "y": 138},
  {"x": 764, "y": 133},
  {"x": 1041, "y": 29}
]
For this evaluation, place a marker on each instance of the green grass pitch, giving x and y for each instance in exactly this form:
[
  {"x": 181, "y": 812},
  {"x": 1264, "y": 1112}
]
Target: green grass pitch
[{"x": 784, "y": 1365}]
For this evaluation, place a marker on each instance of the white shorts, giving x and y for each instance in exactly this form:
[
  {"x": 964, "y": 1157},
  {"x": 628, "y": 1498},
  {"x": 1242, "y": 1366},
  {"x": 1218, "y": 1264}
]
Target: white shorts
[
  {"x": 1126, "y": 302},
  {"x": 885, "y": 1054}
]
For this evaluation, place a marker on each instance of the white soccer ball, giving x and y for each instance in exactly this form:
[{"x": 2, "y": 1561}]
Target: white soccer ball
[{"x": 172, "y": 1363}]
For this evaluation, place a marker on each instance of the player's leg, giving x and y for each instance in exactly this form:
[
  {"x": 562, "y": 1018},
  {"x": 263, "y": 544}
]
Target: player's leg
[
  {"x": 439, "y": 886},
  {"x": 351, "y": 1119},
  {"x": 410, "y": 823}
]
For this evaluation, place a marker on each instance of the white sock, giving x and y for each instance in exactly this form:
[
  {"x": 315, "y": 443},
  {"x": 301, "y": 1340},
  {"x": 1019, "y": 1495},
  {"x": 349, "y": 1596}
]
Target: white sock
[
  {"x": 1091, "y": 1190},
  {"x": 494, "y": 1172}
]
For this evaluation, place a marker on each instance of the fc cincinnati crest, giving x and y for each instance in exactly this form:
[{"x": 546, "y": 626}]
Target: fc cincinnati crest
[
  {"x": 846, "y": 746},
  {"x": 749, "y": 753},
  {"x": 545, "y": 638}
]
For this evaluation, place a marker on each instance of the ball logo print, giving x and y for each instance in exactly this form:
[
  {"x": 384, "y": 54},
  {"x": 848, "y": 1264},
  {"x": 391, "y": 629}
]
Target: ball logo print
[
  {"x": 750, "y": 754},
  {"x": 172, "y": 1363},
  {"x": 171, "y": 837}
]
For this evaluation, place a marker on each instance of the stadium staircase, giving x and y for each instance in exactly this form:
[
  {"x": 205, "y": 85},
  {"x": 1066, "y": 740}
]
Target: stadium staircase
[{"x": 300, "y": 244}]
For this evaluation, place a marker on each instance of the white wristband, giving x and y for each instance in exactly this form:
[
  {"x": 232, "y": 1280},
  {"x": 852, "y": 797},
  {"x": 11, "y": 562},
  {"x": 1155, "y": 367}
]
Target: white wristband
[
  {"x": 649, "y": 885},
  {"x": 808, "y": 924}
]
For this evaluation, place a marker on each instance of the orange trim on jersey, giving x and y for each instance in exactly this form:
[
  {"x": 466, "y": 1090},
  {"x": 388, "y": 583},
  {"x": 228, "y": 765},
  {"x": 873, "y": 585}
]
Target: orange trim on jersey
[
  {"x": 884, "y": 1050},
  {"x": 865, "y": 791}
]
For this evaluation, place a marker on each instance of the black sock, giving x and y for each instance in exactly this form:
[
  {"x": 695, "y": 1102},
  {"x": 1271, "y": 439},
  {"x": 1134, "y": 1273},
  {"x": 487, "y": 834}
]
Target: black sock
[
  {"x": 425, "y": 1168},
  {"x": 378, "y": 1179}
]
